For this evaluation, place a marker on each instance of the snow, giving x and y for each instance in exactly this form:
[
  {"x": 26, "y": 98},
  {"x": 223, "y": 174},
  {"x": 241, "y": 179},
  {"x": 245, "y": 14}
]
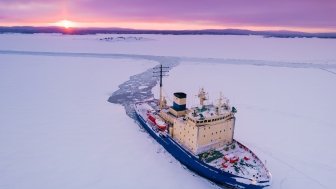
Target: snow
[
  {"x": 202, "y": 46},
  {"x": 57, "y": 129},
  {"x": 285, "y": 115}
]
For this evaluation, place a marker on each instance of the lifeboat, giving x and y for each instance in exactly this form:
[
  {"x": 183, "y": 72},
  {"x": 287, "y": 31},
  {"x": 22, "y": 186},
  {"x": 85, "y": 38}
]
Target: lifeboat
[
  {"x": 161, "y": 124},
  {"x": 151, "y": 118},
  {"x": 158, "y": 122}
]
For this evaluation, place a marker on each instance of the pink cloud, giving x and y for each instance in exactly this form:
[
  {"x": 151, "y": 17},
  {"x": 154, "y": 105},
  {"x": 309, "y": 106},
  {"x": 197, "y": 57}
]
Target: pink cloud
[{"x": 284, "y": 13}]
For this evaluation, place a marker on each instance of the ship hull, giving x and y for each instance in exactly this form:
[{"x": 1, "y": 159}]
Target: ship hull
[{"x": 193, "y": 163}]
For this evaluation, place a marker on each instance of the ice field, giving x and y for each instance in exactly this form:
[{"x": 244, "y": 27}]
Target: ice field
[{"x": 57, "y": 129}]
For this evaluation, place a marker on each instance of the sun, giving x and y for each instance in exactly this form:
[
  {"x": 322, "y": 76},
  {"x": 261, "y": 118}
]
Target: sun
[{"x": 66, "y": 24}]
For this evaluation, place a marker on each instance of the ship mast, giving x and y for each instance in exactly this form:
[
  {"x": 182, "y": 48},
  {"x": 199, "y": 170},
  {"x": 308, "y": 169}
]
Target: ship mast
[
  {"x": 220, "y": 103},
  {"x": 161, "y": 72},
  {"x": 202, "y": 96}
]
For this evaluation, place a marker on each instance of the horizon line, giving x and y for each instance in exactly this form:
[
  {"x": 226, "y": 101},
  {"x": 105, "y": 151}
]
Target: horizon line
[{"x": 172, "y": 30}]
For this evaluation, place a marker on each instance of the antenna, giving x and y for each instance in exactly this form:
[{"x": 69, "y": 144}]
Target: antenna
[
  {"x": 160, "y": 72},
  {"x": 202, "y": 95},
  {"x": 219, "y": 103}
]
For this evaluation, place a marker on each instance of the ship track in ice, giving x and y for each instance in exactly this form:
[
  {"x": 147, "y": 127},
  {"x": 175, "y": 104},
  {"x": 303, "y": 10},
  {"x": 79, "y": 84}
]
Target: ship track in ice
[{"x": 139, "y": 87}]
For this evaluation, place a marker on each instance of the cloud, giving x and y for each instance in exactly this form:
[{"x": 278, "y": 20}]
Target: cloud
[
  {"x": 286, "y": 13},
  {"x": 295, "y": 13}
]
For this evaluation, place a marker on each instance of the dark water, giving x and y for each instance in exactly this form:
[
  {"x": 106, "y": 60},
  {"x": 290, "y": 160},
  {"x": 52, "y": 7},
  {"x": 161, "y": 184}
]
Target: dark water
[{"x": 133, "y": 90}]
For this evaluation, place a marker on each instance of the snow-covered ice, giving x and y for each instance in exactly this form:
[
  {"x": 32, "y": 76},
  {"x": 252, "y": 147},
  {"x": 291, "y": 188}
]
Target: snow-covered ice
[
  {"x": 202, "y": 46},
  {"x": 57, "y": 129},
  {"x": 285, "y": 115}
]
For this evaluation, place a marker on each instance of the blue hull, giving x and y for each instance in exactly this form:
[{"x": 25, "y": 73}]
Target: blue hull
[{"x": 193, "y": 163}]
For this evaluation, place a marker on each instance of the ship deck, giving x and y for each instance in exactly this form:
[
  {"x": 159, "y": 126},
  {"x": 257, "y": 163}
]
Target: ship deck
[{"x": 238, "y": 160}]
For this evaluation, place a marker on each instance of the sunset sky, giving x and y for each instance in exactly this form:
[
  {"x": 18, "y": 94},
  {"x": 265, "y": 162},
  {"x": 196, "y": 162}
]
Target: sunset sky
[{"x": 301, "y": 15}]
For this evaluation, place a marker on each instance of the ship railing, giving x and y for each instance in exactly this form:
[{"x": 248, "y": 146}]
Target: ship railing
[{"x": 255, "y": 157}]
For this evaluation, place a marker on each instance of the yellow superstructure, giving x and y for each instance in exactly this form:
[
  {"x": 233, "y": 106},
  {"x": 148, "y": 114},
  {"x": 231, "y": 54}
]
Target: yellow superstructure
[{"x": 200, "y": 129}]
